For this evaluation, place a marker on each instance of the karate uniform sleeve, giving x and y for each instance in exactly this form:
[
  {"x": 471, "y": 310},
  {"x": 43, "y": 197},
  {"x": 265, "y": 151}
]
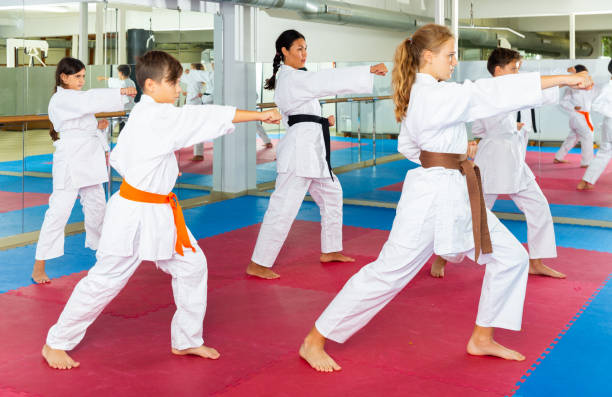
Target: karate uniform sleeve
[
  {"x": 566, "y": 101},
  {"x": 550, "y": 96},
  {"x": 407, "y": 146},
  {"x": 191, "y": 124},
  {"x": 306, "y": 86},
  {"x": 603, "y": 102},
  {"x": 451, "y": 103},
  {"x": 478, "y": 129},
  {"x": 73, "y": 104},
  {"x": 103, "y": 138}
]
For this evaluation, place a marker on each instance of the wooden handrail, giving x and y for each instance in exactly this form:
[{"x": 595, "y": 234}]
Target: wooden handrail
[{"x": 33, "y": 117}]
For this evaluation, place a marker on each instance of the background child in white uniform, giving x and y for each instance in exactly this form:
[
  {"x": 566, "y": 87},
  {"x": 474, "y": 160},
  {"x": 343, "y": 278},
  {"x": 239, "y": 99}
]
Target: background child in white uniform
[
  {"x": 434, "y": 213},
  {"x": 199, "y": 91},
  {"x": 122, "y": 81},
  {"x": 79, "y": 165},
  {"x": 137, "y": 230},
  {"x": 302, "y": 153}
]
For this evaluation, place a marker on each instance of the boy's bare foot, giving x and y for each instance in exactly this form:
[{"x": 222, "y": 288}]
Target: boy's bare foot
[
  {"x": 58, "y": 359},
  {"x": 481, "y": 343},
  {"x": 312, "y": 350},
  {"x": 560, "y": 161},
  {"x": 538, "y": 268},
  {"x": 38, "y": 273},
  {"x": 197, "y": 158},
  {"x": 335, "y": 257},
  {"x": 202, "y": 351},
  {"x": 584, "y": 185},
  {"x": 269, "y": 145},
  {"x": 253, "y": 269},
  {"x": 437, "y": 267}
]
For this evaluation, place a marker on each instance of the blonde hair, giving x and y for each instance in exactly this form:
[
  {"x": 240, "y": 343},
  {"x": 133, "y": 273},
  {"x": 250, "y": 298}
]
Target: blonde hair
[{"x": 407, "y": 59}]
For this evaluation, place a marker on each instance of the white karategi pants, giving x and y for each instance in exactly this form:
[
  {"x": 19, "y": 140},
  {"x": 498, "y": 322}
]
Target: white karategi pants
[
  {"x": 284, "y": 205},
  {"x": 540, "y": 228},
  {"x": 370, "y": 289},
  {"x": 579, "y": 131},
  {"x": 601, "y": 160},
  {"x": 262, "y": 133},
  {"x": 51, "y": 240},
  {"x": 108, "y": 277}
]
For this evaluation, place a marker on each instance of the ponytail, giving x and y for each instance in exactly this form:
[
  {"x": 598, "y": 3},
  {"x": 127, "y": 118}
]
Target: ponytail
[
  {"x": 285, "y": 40},
  {"x": 407, "y": 60},
  {"x": 67, "y": 66}
]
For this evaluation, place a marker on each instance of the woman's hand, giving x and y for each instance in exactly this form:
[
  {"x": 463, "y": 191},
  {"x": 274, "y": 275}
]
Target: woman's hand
[
  {"x": 102, "y": 124},
  {"x": 379, "y": 70},
  {"x": 472, "y": 149},
  {"x": 332, "y": 121},
  {"x": 129, "y": 91},
  {"x": 271, "y": 116}
]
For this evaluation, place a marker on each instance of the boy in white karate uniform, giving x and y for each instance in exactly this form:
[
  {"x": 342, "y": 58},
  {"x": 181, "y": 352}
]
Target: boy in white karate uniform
[
  {"x": 144, "y": 220},
  {"x": 602, "y": 104},
  {"x": 501, "y": 159},
  {"x": 441, "y": 209},
  {"x": 303, "y": 154},
  {"x": 79, "y": 165},
  {"x": 123, "y": 80}
]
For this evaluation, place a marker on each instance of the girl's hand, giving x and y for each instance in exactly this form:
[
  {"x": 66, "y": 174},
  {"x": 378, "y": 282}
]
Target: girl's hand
[
  {"x": 581, "y": 81},
  {"x": 102, "y": 124},
  {"x": 332, "y": 121},
  {"x": 472, "y": 149},
  {"x": 271, "y": 116},
  {"x": 129, "y": 91},
  {"x": 379, "y": 70},
  {"x": 519, "y": 126}
]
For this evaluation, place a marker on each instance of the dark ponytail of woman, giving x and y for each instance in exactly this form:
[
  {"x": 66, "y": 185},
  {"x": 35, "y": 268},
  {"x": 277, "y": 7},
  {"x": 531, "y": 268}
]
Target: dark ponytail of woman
[
  {"x": 285, "y": 40},
  {"x": 67, "y": 66}
]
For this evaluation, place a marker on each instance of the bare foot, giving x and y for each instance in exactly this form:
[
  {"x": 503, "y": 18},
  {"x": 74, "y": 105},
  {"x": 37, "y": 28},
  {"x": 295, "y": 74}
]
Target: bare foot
[
  {"x": 269, "y": 145},
  {"x": 437, "y": 268},
  {"x": 58, "y": 359},
  {"x": 197, "y": 158},
  {"x": 538, "y": 268},
  {"x": 38, "y": 273},
  {"x": 335, "y": 257},
  {"x": 202, "y": 351},
  {"x": 481, "y": 343},
  {"x": 560, "y": 161},
  {"x": 584, "y": 185},
  {"x": 261, "y": 271},
  {"x": 312, "y": 350}
]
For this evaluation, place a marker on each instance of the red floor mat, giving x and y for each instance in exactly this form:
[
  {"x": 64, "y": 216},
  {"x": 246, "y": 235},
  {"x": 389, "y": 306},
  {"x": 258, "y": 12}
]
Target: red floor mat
[
  {"x": 10, "y": 201},
  {"x": 415, "y": 346}
]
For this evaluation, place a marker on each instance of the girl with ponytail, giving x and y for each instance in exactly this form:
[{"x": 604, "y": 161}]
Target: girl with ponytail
[
  {"x": 441, "y": 209},
  {"x": 303, "y": 154},
  {"x": 79, "y": 165}
]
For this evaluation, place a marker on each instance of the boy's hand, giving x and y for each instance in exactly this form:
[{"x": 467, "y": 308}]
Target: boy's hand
[
  {"x": 332, "y": 121},
  {"x": 519, "y": 126},
  {"x": 379, "y": 69},
  {"x": 271, "y": 116},
  {"x": 102, "y": 124},
  {"x": 472, "y": 149},
  {"x": 581, "y": 81},
  {"x": 100, "y": 78},
  {"x": 129, "y": 91}
]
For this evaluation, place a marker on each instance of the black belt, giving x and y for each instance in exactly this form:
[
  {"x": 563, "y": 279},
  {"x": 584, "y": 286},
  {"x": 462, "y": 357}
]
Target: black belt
[{"x": 311, "y": 118}]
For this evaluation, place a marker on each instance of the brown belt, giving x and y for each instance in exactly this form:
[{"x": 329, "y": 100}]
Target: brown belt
[{"x": 480, "y": 229}]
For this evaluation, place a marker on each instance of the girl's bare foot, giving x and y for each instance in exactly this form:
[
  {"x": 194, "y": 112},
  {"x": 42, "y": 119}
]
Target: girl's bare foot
[
  {"x": 261, "y": 271},
  {"x": 437, "y": 268},
  {"x": 58, "y": 359},
  {"x": 202, "y": 351},
  {"x": 538, "y": 268},
  {"x": 584, "y": 185},
  {"x": 269, "y": 145},
  {"x": 481, "y": 343},
  {"x": 312, "y": 350},
  {"x": 38, "y": 273},
  {"x": 560, "y": 161},
  {"x": 335, "y": 257}
]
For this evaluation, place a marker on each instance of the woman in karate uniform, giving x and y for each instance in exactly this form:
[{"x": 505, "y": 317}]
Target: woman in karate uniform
[
  {"x": 577, "y": 103},
  {"x": 441, "y": 209},
  {"x": 501, "y": 159},
  {"x": 144, "y": 220},
  {"x": 303, "y": 154},
  {"x": 602, "y": 104},
  {"x": 79, "y": 165}
]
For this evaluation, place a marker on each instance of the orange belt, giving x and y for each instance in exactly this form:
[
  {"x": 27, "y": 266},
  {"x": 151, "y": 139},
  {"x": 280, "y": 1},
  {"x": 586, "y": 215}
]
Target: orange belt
[
  {"x": 587, "y": 118},
  {"x": 129, "y": 192},
  {"x": 480, "y": 228}
]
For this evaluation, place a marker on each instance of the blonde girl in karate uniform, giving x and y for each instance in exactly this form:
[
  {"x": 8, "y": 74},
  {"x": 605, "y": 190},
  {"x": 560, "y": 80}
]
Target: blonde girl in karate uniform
[
  {"x": 144, "y": 220},
  {"x": 303, "y": 153},
  {"x": 435, "y": 210},
  {"x": 79, "y": 164},
  {"x": 501, "y": 159}
]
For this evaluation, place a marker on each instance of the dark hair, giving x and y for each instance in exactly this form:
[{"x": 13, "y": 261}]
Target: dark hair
[
  {"x": 197, "y": 66},
  {"x": 610, "y": 66},
  {"x": 157, "y": 65},
  {"x": 67, "y": 66},
  {"x": 124, "y": 70},
  {"x": 501, "y": 57},
  {"x": 580, "y": 68},
  {"x": 285, "y": 40}
]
